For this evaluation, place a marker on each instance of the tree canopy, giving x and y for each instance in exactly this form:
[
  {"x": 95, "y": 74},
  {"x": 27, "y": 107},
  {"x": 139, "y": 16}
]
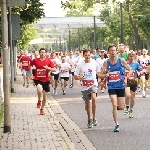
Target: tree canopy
[
  {"x": 30, "y": 13},
  {"x": 136, "y": 20}
]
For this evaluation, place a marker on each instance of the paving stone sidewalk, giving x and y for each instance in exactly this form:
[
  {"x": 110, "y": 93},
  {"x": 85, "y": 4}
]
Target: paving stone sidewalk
[{"x": 29, "y": 130}]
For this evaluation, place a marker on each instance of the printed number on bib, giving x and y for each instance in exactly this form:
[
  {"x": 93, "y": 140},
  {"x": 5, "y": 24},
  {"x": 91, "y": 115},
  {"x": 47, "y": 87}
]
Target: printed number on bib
[
  {"x": 132, "y": 75},
  {"x": 114, "y": 76},
  {"x": 88, "y": 83},
  {"x": 41, "y": 72},
  {"x": 25, "y": 64}
]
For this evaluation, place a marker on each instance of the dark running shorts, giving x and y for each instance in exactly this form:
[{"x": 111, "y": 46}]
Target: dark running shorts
[
  {"x": 45, "y": 85},
  {"x": 65, "y": 78},
  {"x": 118, "y": 92}
]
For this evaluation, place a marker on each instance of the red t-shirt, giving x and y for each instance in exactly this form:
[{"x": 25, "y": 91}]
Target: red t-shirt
[
  {"x": 25, "y": 60},
  {"x": 42, "y": 74},
  {"x": 19, "y": 57}
]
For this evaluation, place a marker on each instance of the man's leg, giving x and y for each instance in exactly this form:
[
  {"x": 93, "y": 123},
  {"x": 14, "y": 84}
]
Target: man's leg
[
  {"x": 132, "y": 102},
  {"x": 127, "y": 99},
  {"x": 39, "y": 93},
  {"x": 93, "y": 97}
]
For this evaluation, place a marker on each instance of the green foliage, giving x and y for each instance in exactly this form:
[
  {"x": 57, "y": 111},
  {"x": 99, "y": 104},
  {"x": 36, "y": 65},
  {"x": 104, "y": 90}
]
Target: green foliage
[
  {"x": 1, "y": 113},
  {"x": 28, "y": 33},
  {"x": 30, "y": 13},
  {"x": 136, "y": 21}
]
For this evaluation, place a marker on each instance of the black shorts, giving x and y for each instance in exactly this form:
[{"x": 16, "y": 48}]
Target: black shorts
[
  {"x": 133, "y": 89},
  {"x": 45, "y": 85},
  {"x": 33, "y": 72},
  {"x": 118, "y": 92},
  {"x": 65, "y": 78},
  {"x": 71, "y": 73},
  {"x": 146, "y": 76},
  {"x": 56, "y": 76}
]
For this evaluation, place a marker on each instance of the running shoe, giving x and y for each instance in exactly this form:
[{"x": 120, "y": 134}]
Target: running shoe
[
  {"x": 55, "y": 92},
  {"x": 139, "y": 89},
  {"x": 116, "y": 129},
  {"x": 64, "y": 93},
  {"x": 143, "y": 95},
  {"x": 90, "y": 123},
  {"x": 126, "y": 111},
  {"x": 23, "y": 84},
  {"x": 42, "y": 112},
  {"x": 39, "y": 104},
  {"x": 71, "y": 86},
  {"x": 27, "y": 86},
  {"x": 102, "y": 91},
  {"x": 95, "y": 123},
  {"x": 130, "y": 114}
]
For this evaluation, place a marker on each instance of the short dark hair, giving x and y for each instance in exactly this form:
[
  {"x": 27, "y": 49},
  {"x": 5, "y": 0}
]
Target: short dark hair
[
  {"x": 63, "y": 56},
  {"x": 86, "y": 51},
  {"x": 42, "y": 49},
  {"x": 111, "y": 45}
]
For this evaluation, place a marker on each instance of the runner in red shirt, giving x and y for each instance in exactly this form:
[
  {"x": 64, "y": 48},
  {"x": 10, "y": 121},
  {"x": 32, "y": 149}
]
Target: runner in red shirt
[
  {"x": 24, "y": 65},
  {"x": 41, "y": 79}
]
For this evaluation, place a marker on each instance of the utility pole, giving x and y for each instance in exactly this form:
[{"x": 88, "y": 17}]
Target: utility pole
[
  {"x": 94, "y": 32},
  {"x": 121, "y": 23},
  {"x": 7, "y": 117},
  {"x": 11, "y": 52}
]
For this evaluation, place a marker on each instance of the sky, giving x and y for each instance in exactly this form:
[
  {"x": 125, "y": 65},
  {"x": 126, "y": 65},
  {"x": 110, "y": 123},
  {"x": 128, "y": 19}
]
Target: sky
[{"x": 53, "y": 8}]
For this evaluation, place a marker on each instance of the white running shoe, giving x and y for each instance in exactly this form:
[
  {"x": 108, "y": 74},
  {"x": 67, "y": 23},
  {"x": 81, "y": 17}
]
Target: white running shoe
[
  {"x": 143, "y": 94},
  {"x": 139, "y": 89},
  {"x": 102, "y": 91}
]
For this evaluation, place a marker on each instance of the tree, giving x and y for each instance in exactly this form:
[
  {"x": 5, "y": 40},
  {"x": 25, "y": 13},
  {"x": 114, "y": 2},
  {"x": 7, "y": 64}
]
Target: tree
[
  {"x": 30, "y": 13},
  {"x": 135, "y": 15},
  {"x": 28, "y": 33}
]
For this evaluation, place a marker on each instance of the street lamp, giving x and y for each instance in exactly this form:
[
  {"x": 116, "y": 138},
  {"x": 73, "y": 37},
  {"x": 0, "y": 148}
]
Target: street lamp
[{"x": 121, "y": 20}]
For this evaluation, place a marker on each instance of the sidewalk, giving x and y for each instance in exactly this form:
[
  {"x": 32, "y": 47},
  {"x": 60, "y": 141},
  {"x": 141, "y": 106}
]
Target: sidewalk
[{"x": 29, "y": 130}]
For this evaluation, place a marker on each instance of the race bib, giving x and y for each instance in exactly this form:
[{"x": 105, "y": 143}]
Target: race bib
[
  {"x": 144, "y": 66},
  {"x": 114, "y": 76},
  {"x": 41, "y": 72},
  {"x": 88, "y": 83},
  {"x": 25, "y": 63},
  {"x": 132, "y": 75}
]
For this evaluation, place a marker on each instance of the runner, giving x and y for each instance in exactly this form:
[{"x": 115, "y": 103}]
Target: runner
[
  {"x": 100, "y": 60},
  {"x": 64, "y": 73},
  {"x": 122, "y": 53},
  {"x": 113, "y": 70},
  {"x": 24, "y": 65},
  {"x": 71, "y": 61},
  {"x": 131, "y": 84},
  {"x": 144, "y": 58},
  {"x": 86, "y": 72},
  {"x": 55, "y": 75},
  {"x": 41, "y": 79}
]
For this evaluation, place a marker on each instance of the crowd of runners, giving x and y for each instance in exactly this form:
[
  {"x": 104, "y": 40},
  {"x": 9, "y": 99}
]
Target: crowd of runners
[{"x": 122, "y": 71}]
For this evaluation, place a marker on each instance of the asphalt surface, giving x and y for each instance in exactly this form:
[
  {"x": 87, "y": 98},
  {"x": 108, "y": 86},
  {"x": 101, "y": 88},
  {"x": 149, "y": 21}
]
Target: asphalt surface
[{"x": 134, "y": 133}]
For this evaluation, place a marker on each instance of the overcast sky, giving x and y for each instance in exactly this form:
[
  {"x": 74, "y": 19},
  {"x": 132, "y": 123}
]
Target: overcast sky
[{"x": 53, "y": 8}]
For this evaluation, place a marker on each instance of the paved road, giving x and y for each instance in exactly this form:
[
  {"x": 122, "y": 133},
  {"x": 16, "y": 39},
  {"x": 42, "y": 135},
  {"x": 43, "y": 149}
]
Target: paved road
[{"x": 134, "y": 133}]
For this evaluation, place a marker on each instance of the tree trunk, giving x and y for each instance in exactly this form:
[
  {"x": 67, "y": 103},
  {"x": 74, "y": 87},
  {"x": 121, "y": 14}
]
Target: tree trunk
[{"x": 135, "y": 29}]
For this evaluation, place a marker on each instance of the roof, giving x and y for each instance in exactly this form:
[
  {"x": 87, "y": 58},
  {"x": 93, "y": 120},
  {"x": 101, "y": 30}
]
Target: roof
[{"x": 68, "y": 22}]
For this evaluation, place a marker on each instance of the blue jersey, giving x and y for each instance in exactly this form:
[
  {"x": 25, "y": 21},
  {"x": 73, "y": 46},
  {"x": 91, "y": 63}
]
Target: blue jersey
[
  {"x": 135, "y": 67},
  {"x": 116, "y": 74},
  {"x": 96, "y": 56}
]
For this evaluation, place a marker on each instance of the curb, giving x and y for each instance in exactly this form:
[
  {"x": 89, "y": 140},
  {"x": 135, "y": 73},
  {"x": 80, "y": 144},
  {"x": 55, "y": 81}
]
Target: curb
[{"x": 74, "y": 133}]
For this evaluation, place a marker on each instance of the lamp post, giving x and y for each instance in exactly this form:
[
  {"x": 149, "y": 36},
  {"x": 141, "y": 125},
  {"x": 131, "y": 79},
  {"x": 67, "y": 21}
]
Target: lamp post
[{"x": 121, "y": 20}]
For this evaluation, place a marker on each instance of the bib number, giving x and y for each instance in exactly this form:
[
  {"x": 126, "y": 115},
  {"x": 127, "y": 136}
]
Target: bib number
[
  {"x": 88, "y": 83},
  {"x": 114, "y": 76},
  {"x": 41, "y": 72}
]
